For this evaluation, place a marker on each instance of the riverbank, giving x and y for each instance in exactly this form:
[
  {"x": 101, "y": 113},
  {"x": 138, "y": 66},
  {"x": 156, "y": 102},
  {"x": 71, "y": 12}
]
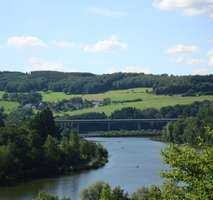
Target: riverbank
[
  {"x": 125, "y": 133},
  {"x": 95, "y": 163},
  {"x": 129, "y": 160}
]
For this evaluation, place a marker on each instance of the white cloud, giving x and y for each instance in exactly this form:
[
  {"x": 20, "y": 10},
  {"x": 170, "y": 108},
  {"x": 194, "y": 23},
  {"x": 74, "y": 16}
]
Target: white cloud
[
  {"x": 194, "y": 61},
  {"x": 25, "y": 41},
  {"x": 37, "y": 64},
  {"x": 182, "y": 49},
  {"x": 210, "y": 58},
  {"x": 129, "y": 69},
  {"x": 106, "y": 12},
  {"x": 189, "y": 61},
  {"x": 188, "y": 7},
  {"x": 180, "y": 60},
  {"x": 110, "y": 44},
  {"x": 63, "y": 44},
  {"x": 137, "y": 69},
  {"x": 201, "y": 71}
]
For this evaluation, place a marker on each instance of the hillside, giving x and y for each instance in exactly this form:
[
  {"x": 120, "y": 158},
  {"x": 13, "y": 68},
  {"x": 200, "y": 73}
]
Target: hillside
[
  {"x": 140, "y": 98},
  {"x": 87, "y": 83},
  {"x": 147, "y": 100}
]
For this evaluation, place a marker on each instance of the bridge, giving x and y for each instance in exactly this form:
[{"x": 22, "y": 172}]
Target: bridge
[{"x": 76, "y": 123}]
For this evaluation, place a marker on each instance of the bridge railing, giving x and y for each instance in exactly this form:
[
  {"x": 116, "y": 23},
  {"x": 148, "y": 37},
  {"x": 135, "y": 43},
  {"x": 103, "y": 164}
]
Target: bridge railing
[{"x": 75, "y": 123}]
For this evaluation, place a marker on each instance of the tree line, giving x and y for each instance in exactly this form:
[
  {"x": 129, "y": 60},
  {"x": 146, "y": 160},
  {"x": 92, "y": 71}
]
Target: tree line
[
  {"x": 189, "y": 130},
  {"x": 33, "y": 148},
  {"x": 77, "y": 83}
]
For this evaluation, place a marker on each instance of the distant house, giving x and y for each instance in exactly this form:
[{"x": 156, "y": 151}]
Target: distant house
[
  {"x": 77, "y": 105},
  {"x": 97, "y": 103},
  {"x": 28, "y": 106},
  {"x": 76, "y": 102},
  {"x": 41, "y": 105}
]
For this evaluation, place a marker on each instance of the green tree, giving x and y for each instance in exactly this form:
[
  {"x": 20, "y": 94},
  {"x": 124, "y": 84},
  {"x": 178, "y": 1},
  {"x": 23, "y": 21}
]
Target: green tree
[
  {"x": 93, "y": 192},
  {"x": 149, "y": 193},
  {"x": 191, "y": 172},
  {"x": 119, "y": 194},
  {"x": 51, "y": 150},
  {"x": 5, "y": 161},
  {"x": 44, "y": 124},
  {"x": 106, "y": 193}
]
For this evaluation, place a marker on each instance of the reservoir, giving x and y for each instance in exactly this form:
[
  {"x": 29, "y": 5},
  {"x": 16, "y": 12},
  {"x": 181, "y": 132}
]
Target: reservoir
[{"x": 133, "y": 163}]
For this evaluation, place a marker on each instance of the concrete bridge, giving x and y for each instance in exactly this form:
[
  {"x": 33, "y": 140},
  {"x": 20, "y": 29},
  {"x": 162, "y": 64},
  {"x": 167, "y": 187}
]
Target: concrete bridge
[{"x": 76, "y": 123}]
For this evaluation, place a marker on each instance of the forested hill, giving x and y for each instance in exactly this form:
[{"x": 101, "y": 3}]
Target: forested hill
[{"x": 91, "y": 83}]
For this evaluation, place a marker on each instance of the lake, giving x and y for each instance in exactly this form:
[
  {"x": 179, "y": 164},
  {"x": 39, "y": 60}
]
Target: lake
[{"x": 133, "y": 162}]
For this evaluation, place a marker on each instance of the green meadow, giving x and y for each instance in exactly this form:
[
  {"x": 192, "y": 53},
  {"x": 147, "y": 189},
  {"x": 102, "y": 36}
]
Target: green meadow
[
  {"x": 149, "y": 100},
  {"x": 9, "y": 105}
]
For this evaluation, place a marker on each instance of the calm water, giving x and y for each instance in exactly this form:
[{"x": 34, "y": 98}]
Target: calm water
[{"x": 133, "y": 162}]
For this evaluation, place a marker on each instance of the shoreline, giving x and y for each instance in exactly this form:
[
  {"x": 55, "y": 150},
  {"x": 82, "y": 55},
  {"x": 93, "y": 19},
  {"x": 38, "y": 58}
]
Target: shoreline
[{"x": 96, "y": 164}]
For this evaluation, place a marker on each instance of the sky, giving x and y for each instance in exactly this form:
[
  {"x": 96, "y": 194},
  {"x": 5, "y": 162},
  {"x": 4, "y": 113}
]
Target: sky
[{"x": 107, "y": 36}]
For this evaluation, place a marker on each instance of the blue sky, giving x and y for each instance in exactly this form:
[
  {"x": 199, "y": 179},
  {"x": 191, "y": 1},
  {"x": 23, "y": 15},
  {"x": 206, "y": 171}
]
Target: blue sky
[{"x": 151, "y": 36}]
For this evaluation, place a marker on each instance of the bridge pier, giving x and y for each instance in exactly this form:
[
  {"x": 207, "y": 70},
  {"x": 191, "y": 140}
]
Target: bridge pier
[
  {"x": 139, "y": 126},
  {"x": 78, "y": 127},
  {"x": 108, "y": 126}
]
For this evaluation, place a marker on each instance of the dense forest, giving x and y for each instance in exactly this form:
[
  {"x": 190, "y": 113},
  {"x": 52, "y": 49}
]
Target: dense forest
[
  {"x": 91, "y": 83},
  {"x": 191, "y": 129},
  {"x": 33, "y": 148}
]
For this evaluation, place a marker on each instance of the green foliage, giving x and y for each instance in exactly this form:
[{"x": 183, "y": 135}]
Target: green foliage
[
  {"x": 191, "y": 171},
  {"x": 29, "y": 150},
  {"x": 106, "y": 193},
  {"x": 93, "y": 192},
  {"x": 9, "y": 106},
  {"x": 103, "y": 191},
  {"x": 150, "y": 193},
  {"x": 17, "y": 116},
  {"x": 5, "y": 160},
  {"x": 119, "y": 194},
  {"x": 91, "y": 83},
  {"x": 51, "y": 150},
  {"x": 44, "y": 124},
  {"x": 190, "y": 130},
  {"x": 33, "y": 98},
  {"x": 186, "y": 131},
  {"x": 75, "y": 103},
  {"x": 2, "y": 117}
]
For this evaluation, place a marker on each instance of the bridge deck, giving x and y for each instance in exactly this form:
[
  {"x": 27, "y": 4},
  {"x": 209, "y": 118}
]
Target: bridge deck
[
  {"x": 117, "y": 120},
  {"x": 76, "y": 123}
]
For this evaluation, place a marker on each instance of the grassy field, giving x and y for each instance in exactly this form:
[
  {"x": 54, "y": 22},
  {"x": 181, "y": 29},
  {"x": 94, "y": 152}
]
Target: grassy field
[
  {"x": 114, "y": 95},
  {"x": 7, "y": 105},
  {"x": 148, "y": 100}
]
